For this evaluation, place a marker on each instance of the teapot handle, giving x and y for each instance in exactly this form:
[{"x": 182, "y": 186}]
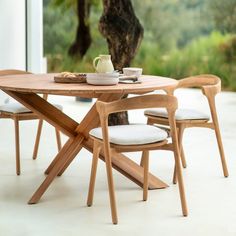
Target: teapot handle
[{"x": 94, "y": 62}]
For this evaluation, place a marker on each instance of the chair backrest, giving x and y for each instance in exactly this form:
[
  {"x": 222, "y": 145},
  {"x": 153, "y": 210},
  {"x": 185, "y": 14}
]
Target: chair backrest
[
  {"x": 210, "y": 84},
  {"x": 140, "y": 102},
  {"x": 12, "y": 72}
]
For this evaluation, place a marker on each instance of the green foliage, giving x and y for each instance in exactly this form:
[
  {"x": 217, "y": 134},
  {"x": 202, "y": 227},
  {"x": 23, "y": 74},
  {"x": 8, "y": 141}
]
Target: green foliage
[
  {"x": 59, "y": 31},
  {"x": 179, "y": 38},
  {"x": 224, "y": 14},
  {"x": 202, "y": 56},
  {"x": 173, "y": 22},
  {"x": 68, "y": 4},
  {"x": 228, "y": 49},
  {"x": 64, "y": 4}
]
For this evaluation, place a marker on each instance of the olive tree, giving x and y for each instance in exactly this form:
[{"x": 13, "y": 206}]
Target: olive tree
[{"x": 118, "y": 25}]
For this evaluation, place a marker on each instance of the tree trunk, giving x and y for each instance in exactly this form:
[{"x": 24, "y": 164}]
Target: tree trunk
[
  {"x": 122, "y": 29},
  {"x": 124, "y": 33},
  {"x": 83, "y": 37}
]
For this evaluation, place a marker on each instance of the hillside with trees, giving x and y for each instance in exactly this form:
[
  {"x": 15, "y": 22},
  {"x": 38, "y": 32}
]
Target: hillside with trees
[{"x": 181, "y": 37}]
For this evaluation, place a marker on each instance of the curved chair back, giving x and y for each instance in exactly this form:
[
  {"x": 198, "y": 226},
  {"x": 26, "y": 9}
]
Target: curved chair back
[
  {"x": 13, "y": 72},
  {"x": 210, "y": 84},
  {"x": 140, "y": 102}
]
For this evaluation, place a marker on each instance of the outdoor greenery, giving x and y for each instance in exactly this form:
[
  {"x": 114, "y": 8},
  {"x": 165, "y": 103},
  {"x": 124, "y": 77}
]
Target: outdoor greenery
[{"x": 181, "y": 37}]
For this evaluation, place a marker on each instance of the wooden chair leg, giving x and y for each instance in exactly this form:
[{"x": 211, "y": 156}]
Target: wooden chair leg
[
  {"x": 142, "y": 159},
  {"x": 211, "y": 101},
  {"x": 111, "y": 185},
  {"x": 180, "y": 183},
  {"x": 182, "y": 156},
  {"x": 221, "y": 150},
  {"x": 58, "y": 137},
  {"x": 180, "y": 140},
  {"x": 17, "y": 146},
  {"x": 219, "y": 141},
  {"x": 37, "y": 140},
  {"x": 148, "y": 123},
  {"x": 96, "y": 151},
  {"x": 145, "y": 159},
  {"x": 174, "y": 176}
]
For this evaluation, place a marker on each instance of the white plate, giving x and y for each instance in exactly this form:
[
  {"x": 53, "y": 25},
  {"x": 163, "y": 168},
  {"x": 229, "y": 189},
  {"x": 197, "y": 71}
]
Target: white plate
[{"x": 103, "y": 78}]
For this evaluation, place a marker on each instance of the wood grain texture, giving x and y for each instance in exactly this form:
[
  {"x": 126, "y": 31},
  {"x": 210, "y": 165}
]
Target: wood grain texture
[
  {"x": 211, "y": 86},
  {"x": 110, "y": 150},
  {"x": 24, "y": 88},
  {"x": 44, "y": 83},
  {"x": 29, "y": 115}
]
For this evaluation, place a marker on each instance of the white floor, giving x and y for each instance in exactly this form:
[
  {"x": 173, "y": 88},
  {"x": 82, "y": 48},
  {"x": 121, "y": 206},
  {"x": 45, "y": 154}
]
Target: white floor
[{"x": 63, "y": 211}]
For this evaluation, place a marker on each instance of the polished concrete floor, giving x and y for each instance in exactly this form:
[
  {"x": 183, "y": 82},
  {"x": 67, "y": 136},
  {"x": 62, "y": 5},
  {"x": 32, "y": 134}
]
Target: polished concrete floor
[{"x": 63, "y": 211}]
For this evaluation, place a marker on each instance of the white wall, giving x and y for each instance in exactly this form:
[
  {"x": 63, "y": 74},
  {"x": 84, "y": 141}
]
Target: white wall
[
  {"x": 35, "y": 36},
  {"x": 18, "y": 51},
  {"x": 12, "y": 34},
  {"x": 13, "y": 41}
]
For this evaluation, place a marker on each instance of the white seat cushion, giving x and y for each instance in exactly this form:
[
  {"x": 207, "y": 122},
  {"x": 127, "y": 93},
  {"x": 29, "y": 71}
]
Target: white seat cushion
[
  {"x": 181, "y": 114},
  {"x": 132, "y": 134},
  {"x": 16, "y": 107}
]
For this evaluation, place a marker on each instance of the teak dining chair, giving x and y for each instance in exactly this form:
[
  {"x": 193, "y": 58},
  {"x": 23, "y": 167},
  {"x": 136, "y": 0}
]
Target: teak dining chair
[
  {"x": 18, "y": 112},
  {"x": 188, "y": 118},
  {"x": 132, "y": 138}
]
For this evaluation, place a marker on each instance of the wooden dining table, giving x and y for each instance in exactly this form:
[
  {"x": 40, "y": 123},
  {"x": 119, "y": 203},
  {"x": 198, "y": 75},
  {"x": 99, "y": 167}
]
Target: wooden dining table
[{"x": 27, "y": 88}]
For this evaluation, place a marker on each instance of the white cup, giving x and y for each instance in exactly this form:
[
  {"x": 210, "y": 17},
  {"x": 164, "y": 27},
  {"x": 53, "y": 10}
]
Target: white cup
[{"x": 133, "y": 71}]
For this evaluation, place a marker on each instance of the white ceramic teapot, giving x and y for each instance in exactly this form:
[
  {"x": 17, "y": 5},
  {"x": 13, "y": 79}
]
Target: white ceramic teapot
[{"x": 104, "y": 64}]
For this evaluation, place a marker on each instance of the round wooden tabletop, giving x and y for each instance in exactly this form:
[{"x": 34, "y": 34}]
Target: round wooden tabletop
[{"x": 44, "y": 83}]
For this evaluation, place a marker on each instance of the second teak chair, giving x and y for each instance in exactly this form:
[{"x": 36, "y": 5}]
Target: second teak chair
[
  {"x": 17, "y": 113},
  {"x": 189, "y": 118}
]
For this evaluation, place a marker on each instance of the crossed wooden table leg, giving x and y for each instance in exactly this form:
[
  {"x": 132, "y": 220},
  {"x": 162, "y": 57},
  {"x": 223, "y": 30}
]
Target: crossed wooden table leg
[{"x": 78, "y": 138}]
